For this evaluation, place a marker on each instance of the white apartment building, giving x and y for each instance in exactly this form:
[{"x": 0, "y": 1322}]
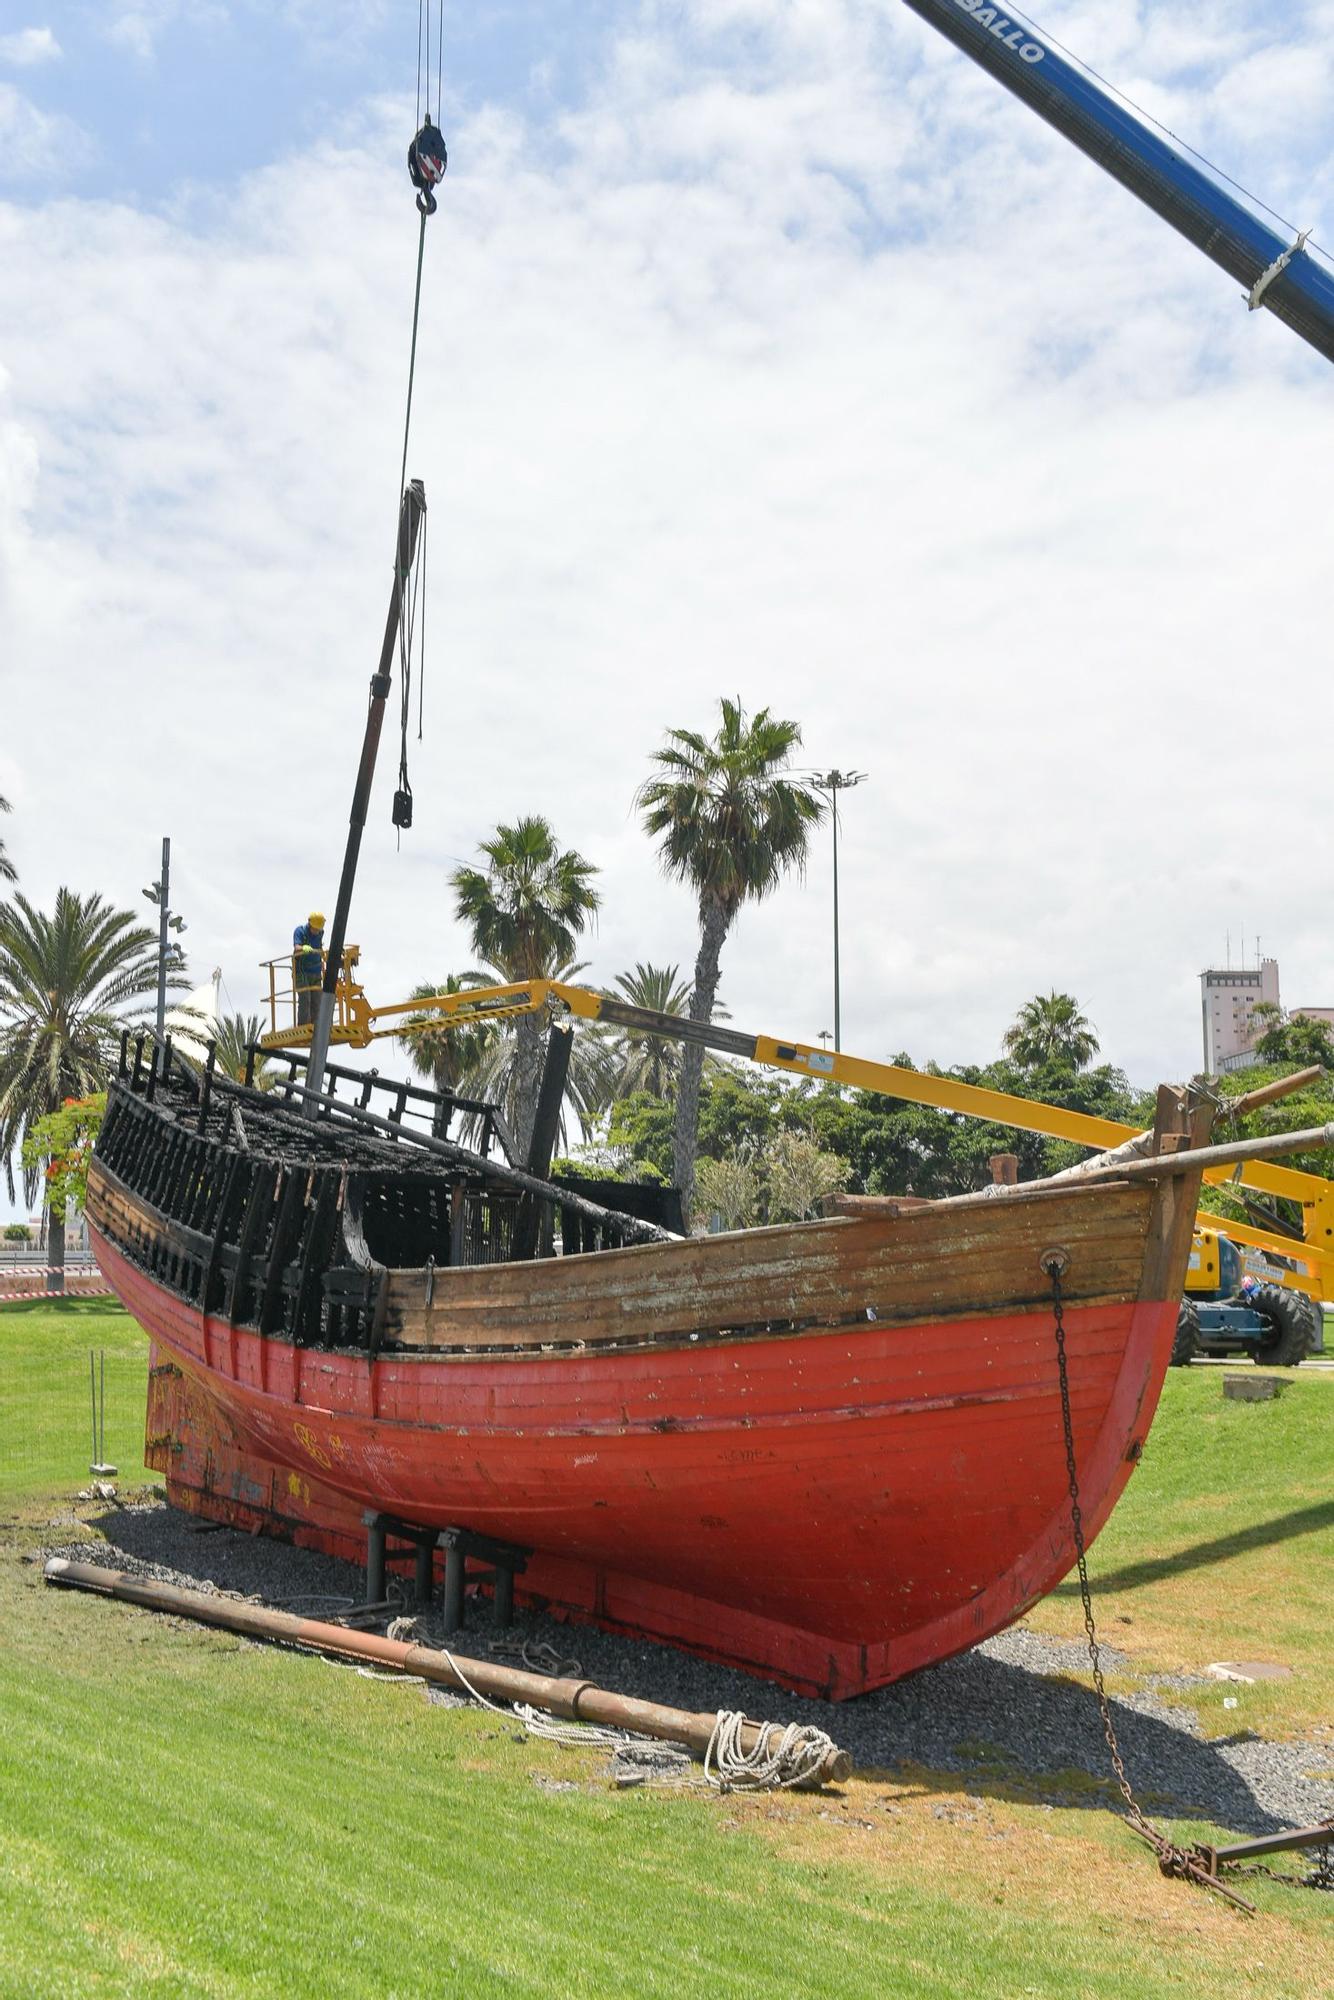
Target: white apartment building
[{"x": 1230, "y": 999}]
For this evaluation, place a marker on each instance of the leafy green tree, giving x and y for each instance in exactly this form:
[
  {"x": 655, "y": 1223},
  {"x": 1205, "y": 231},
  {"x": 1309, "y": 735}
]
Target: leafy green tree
[
  {"x": 730, "y": 1189},
  {"x": 1292, "y": 1041},
  {"x": 525, "y": 908},
  {"x": 8, "y": 872},
  {"x": 640, "y": 1126},
  {"x": 890, "y": 1146},
  {"x": 731, "y": 823},
  {"x": 231, "y": 1042},
  {"x": 61, "y": 1147},
  {"x": 896, "y": 1147},
  {"x": 1050, "y": 1031},
  {"x": 69, "y": 981},
  {"x": 604, "y": 1163},
  {"x": 799, "y": 1174},
  {"x": 1303, "y": 1111},
  {"x": 739, "y": 1109}
]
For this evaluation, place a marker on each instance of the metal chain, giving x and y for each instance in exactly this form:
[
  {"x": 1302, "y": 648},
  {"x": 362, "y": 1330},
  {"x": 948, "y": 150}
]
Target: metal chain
[
  {"x": 1173, "y": 1861},
  {"x": 1320, "y": 1877}
]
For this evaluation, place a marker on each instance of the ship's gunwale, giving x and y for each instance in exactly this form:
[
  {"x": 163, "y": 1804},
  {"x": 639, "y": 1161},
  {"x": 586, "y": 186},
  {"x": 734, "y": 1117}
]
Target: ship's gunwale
[{"x": 420, "y": 1285}]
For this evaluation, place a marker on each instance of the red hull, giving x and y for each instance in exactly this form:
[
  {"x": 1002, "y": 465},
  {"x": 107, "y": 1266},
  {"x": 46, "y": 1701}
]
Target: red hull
[{"x": 833, "y": 1510}]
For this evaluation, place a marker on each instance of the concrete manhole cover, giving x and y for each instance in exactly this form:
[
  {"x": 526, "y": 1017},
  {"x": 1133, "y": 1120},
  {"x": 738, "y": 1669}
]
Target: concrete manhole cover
[{"x": 1248, "y": 1670}]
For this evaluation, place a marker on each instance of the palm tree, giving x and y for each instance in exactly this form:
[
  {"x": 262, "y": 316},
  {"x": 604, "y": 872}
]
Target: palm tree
[
  {"x": 8, "y": 872},
  {"x": 525, "y": 909},
  {"x": 1050, "y": 1029},
  {"x": 646, "y": 1061},
  {"x": 68, "y": 984},
  {"x": 231, "y": 1042},
  {"x": 590, "y": 1080},
  {"x": 450, "y": 1057},
  {"x": 732, "y": 825}
]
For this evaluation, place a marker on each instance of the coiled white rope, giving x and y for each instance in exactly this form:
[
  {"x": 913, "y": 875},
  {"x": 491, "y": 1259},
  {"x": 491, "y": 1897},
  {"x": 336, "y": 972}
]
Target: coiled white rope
[{"x": 784, "y": 1755}]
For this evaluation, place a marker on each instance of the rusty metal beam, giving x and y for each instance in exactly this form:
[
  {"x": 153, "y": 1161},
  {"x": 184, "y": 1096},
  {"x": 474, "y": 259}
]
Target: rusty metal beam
[{"x": 1212, "y": 1858}]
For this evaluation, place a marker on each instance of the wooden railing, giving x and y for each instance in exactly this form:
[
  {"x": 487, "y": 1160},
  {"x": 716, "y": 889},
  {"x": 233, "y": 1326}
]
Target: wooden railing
[{"x": 264, "y": 1217}]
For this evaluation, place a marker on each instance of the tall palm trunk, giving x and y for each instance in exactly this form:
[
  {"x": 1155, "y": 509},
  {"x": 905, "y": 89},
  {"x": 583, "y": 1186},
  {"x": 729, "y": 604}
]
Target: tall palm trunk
[
  {"x": 55, "y": 1251},
  {"x": 714, "y": 921}
]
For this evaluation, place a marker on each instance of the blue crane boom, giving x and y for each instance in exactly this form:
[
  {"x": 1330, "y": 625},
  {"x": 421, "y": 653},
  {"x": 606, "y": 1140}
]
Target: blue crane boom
[{"x": 1274, "y": 271}]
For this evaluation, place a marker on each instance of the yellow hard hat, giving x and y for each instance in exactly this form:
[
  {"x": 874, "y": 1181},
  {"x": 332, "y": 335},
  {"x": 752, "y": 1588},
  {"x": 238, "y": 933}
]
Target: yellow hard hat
[{"x": 316, "y": 920}]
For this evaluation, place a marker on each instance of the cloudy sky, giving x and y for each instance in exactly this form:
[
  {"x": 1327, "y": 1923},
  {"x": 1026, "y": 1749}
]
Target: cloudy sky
[{"x": 768, "y": 349}]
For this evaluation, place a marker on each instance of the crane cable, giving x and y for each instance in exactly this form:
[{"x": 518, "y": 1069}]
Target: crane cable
[{"x": 428, "y": 159}]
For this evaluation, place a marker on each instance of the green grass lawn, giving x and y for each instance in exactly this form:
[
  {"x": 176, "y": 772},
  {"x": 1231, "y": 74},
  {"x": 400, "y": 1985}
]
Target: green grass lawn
[
  {"x": 185, "y": 1814},
  {"x": 1223, "y": 1549},
  {"x": 45, "y": 1401}
]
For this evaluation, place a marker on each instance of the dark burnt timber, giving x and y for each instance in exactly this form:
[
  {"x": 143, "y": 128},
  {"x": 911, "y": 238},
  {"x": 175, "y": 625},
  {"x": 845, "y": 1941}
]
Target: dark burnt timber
[
  {"x": 256, "y": 1212},
  {"x": 546, "y": 1125},
  {"x": 484, "y": 1123}
]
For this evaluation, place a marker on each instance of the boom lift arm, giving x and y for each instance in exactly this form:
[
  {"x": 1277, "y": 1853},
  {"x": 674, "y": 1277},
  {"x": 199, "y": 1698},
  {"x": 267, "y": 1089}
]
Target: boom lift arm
[
  {"x": 359, "y": 1024},
  {"x": 1273, "y": 270}
]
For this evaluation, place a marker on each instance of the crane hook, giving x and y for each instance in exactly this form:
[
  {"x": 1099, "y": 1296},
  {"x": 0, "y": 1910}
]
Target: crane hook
[{"x": 427, "y": 160}]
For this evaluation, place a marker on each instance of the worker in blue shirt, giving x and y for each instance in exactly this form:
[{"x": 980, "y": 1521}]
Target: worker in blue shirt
[{"x": 308, "y": 965}]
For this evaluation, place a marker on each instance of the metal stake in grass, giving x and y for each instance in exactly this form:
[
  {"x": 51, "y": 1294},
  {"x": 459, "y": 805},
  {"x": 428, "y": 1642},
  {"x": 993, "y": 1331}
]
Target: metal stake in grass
[{"x": 99, "y": 1467}]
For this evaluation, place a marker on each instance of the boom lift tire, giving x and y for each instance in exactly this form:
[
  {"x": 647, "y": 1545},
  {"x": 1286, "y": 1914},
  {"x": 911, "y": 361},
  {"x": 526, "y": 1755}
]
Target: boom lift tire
[
  {"x": 1186, "y": 1345},
  {"x": 1315, "y": 1314},
  {"x": 1289, "y": 1340}
]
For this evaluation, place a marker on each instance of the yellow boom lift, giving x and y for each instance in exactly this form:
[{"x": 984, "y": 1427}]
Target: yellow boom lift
[{"x": 357, "y": 1024}]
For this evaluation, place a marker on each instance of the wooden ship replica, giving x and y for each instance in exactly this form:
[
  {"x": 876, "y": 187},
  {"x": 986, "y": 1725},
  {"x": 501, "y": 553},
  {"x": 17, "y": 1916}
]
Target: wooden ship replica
[{"x": 831, "y": 1452}]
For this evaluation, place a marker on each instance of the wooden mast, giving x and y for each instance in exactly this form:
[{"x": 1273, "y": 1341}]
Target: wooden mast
[{"x": 410, "y": 518}]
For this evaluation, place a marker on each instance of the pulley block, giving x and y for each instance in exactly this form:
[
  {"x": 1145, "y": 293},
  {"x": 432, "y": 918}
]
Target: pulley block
[{"x": 427, "y": 160}]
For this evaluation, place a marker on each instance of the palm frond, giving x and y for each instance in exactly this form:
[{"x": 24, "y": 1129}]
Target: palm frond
[
  {"x": 726, "y": 816},
  {"x": 68, "y": 979}
]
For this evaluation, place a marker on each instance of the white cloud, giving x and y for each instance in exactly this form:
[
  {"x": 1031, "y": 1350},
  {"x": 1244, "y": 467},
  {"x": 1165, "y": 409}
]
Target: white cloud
[
  {"x": 35, "y": 145},
  {"x": 839, "y": 385},
  {"x": 140, "y": 27},
  {"x": 29, "y": 46},
  {"x": 325, "y": 25}
]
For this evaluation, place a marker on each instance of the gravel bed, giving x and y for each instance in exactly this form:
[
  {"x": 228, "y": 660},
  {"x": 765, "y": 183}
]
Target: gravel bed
[{"x": 1000, "y": 1712}]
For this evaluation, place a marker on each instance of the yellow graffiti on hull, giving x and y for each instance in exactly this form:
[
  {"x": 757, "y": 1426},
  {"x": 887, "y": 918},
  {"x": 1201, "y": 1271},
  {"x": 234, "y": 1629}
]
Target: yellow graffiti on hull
[{"x": 311, "y": 1445}]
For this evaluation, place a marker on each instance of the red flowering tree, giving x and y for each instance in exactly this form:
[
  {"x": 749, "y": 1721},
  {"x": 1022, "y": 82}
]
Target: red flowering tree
[{"x": 59, "y": 1147}]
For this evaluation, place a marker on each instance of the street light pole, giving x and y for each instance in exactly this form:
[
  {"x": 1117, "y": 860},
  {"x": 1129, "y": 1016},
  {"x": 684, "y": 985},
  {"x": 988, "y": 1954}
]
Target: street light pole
[
  {"x": 831, "y": 783},
  {"x": 163, "y": 918},
  {"x": 167, "y": 921}
]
